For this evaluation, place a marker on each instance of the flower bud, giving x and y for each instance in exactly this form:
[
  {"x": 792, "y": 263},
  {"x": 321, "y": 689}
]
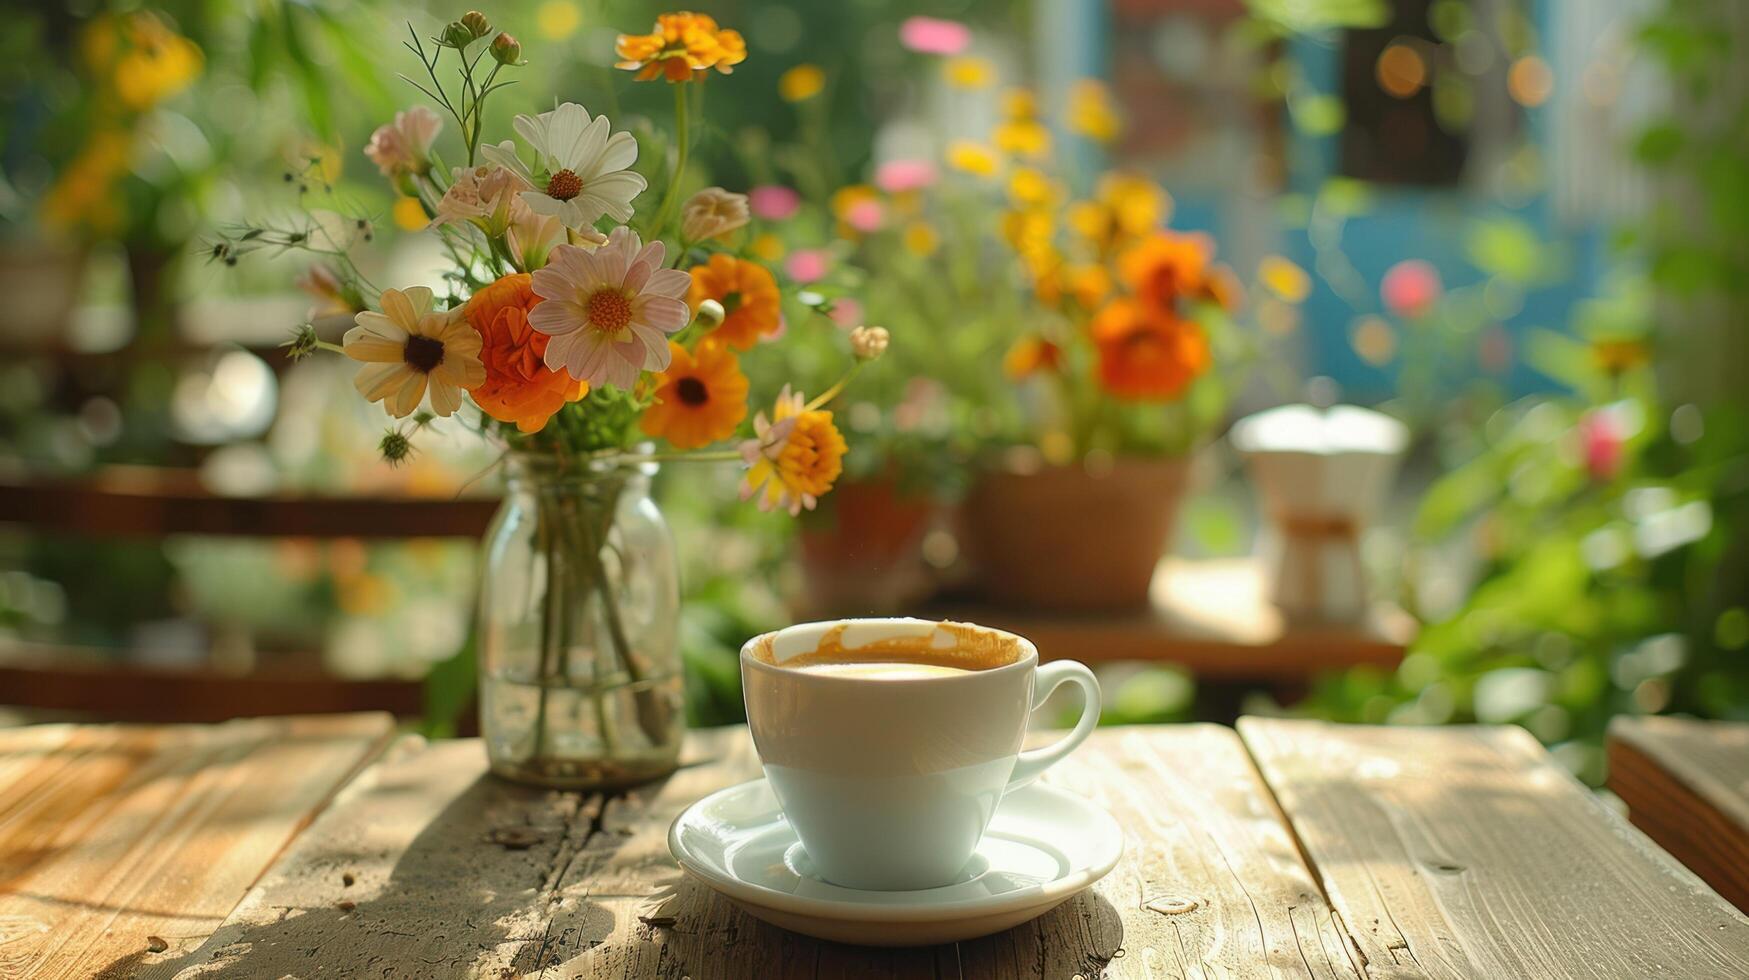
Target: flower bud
[
  {"x": 868, "y": 343},
  {"x": 457, "y": 35},
  {"x": 476, "y": 23},
  {"x": 506, "y": 50},
  {"x": 395, "y": 447},
  {"x": 711, "y": 313}
]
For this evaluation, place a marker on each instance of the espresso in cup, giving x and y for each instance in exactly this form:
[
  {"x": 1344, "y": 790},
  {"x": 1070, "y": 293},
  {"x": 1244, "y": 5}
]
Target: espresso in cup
[{"x": 890, "y": 742}]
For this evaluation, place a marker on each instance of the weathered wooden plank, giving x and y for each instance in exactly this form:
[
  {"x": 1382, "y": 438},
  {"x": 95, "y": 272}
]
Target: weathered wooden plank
[
  {"x": 1466, "y": 852},
  {"x": 120, "y": 846},
  {"x": 590, "y": 889},
  {"x": 1686, "y": 784}
]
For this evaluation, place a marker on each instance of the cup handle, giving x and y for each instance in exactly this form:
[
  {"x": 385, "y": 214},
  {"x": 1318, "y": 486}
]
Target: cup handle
[{"x": 1051, "y": 676}]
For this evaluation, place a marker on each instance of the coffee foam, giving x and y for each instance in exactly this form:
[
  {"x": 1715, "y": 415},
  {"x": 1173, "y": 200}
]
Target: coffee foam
[{"x": 962, "y": 645}]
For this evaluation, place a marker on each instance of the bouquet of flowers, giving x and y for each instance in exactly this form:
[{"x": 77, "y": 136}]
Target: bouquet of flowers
[{"x": 578, "y": 325}]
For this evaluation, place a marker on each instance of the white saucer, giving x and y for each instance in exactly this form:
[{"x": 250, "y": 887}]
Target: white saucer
[{"x": 1043, "y": 847}]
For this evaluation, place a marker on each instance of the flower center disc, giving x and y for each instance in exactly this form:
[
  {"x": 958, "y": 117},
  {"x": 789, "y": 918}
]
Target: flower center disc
[
  {"x": 692, "y": 391},
  {"x": 423, "y": 353},
  {"x": 609, "y": 310},
  {"x": 564, "y": 186}
]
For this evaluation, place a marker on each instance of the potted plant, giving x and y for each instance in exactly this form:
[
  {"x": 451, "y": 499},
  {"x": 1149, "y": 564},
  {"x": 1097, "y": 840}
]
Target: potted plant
[{"x": 579, "y": 326}]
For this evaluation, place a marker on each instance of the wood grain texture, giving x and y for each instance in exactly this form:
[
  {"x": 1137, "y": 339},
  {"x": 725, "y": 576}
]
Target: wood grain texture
[
  {"x": 121, "y": 846},
  {"x": 1466, "y": 852},
  {"x": 594, "y": 893},
  {"x": 1686, "y": 784}
]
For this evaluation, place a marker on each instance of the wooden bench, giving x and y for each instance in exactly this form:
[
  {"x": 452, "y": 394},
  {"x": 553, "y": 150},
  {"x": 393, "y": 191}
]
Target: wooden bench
[
  {"x": 1686, "y": 784},
  {"x": 1285, "y": 849}
]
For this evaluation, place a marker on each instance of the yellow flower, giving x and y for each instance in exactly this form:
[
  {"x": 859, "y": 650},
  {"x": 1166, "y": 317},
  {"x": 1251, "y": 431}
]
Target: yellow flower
[
  {"x": 972, "y": 158},
  {"x": 409, "y": 214},
  {"x": 1028, "y": 230},
  {"x": 1023, "y": 137},
  {"x": 766, "y": 247},
  {"x": 1019, "y": 103},
  {"x": 970, "y": 72},
  {"x": 921, "y": 239},
  {"x": 153, "y": 64},
  {"x": 801, "y": 83},
  {"x": 682, "y": 45},
  {"x": 556, "y": 20},
  {"x": 1090, "y": 283},
  {"x": 794, "y": 457},
  {"x": 1284, "y": 279},
  {"x": 409, "y": 346},
  {"x": 1091, "y": 112},
  {"x": 1030, "y": 188},
  {"x": 700, "y": 399},
  {"x": 1138, "y": 205}
]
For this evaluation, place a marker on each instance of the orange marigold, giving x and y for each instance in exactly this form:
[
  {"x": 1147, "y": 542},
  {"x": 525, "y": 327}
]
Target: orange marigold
[
  {"x": 1147, "y": 353},
  {"x": 681, "y": 44},
  {"x": 749, "y": 295},
  {"x": 519, "y": 387},
  {"x": 1031, "y": 355},
  {"x": 700, "y": 399},
  {"x": 1165, "y": 266}
]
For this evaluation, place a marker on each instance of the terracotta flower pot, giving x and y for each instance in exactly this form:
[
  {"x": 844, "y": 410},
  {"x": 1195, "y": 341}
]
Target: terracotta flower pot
[
  {"x": 1072, "y": 539},
  {"x": 864, "y": 554}
]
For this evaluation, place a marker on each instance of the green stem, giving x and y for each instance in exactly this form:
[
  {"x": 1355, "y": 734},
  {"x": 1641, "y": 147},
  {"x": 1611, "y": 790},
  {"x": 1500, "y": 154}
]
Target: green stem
[{"x": 683, "y": 140}]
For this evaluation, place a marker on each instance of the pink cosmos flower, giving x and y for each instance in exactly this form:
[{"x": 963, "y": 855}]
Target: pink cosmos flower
[
  {"x": 846, "y": 312},
  {"x": 865, "y": 215},
  {"x": 806, "y": 265},
  {"x": 772, "y": 202},
  {"x": 404, "y": 146},
  {"x": 1601, "y": 437},
  {"x": 933, "y": 35},
  {"x": 1410, "y": 288},
  {"x": 899, "y": 176},
  {"x": 609, "y": 311}
]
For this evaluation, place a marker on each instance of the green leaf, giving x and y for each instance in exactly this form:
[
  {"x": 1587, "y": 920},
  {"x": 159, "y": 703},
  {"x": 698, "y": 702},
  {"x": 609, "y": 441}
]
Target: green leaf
[
  {"x": 1318, "y": 115},
  {"x": 1659, "y": 144},
  {"x": 449, "y": 691}
]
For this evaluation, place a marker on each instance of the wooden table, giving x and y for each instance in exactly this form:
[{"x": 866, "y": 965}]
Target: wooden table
[
  {"x": 1285, "y": 850},
  {"x": 1686, "y": 784}
]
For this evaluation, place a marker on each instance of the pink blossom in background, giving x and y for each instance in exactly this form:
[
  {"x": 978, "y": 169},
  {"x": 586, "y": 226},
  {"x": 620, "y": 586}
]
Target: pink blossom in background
[
  {"x": 865, "y": 216},
  {"x": 771, "y": 202},
  {"x": 846, "y": 312},
  {"x": 1410, "y": 288},
  {"x": 899, "y": 176},
  {"x": 1602, "y": 439},
  {"x": 806, "y": 265},
  {"x": 933, "y": 35}
]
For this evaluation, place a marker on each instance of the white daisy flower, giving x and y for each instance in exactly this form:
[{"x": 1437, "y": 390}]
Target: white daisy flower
[
  {"x": 580, "y": 170},
  {"x": 409, "y": 346},
  {"x": 609, "y": 311}
]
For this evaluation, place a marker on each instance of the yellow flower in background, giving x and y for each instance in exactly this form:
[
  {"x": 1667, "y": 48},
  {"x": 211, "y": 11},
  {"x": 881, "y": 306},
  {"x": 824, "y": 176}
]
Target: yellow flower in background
[
  {"x": 794, "y": 457},
  {"x": 1090, "y": 220},
  {"x": 1091, "y": 111},
  {"x": 967, "y": 71},
  {"x": 1374, "y": 340},
  {"x": 1617, "y": 356},
  {"x": 1021, "y": 133},
  {"x": 82, "y": 195},
  {"x": 145, "y": 60},
  {"x": 766, "y": 247},
  {"x": 1028, "y": 230},
  {"x": 409, "y": 214},
  {"x": 1138, "y": 205},
  {"x": 1090, "y": 283},
  {"x": 681, "y": 45},
  {"x": 1031, "y": 188},
  {"x": 973, "y": 158},
  {"x": 921, "y": 239},
  {"x": 801, "y": 83},
  {"x": 1285, "y": 279},
  {"x": 1031, "y": 355},
  {"x": 556, "y": 20}
]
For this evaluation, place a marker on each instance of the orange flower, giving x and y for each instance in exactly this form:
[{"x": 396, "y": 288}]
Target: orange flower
[
  {"x": 1165, "y": 266},
  {"x": 1031, "y": 355},
  {"x": 794, "y": 457},
  {"x": 682, "y": 43},
  {"x": 749, "y": 296},
  {"x": 1147, "y": 353},
  {"x": 519, "y": 387},
  {"x": 700, "y": 399}
]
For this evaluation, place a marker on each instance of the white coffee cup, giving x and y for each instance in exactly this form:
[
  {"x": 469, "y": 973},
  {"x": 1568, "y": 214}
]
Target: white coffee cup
[{"x": 890, "y": 777}]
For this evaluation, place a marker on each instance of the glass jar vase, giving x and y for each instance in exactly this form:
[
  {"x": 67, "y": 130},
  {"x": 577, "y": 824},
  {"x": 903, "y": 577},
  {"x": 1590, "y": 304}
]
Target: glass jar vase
[{"x": 580, "y": 679}]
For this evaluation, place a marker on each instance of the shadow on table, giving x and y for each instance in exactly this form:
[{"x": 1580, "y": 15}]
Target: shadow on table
[
  {"x": 453, "y": 898},
  {"x": 714, "y": 938}
]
